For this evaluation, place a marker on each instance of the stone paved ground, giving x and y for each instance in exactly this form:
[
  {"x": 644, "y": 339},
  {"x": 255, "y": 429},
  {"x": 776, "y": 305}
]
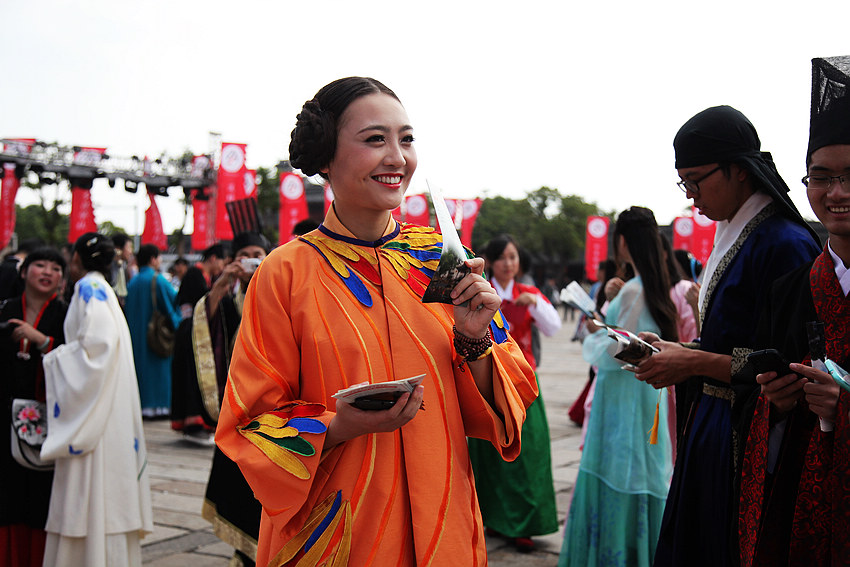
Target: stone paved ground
[{"x": 179, "y": 472}]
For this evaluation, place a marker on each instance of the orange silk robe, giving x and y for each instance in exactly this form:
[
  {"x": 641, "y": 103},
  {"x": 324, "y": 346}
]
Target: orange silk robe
[{"x": 325, "y": 312}]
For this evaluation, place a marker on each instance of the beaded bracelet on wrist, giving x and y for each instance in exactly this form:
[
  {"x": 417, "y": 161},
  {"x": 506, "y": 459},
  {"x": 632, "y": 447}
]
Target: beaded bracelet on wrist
[{"x": 472, "y": 349}]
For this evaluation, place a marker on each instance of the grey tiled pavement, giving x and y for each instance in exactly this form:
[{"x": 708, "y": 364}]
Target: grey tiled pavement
[{"x": 179, "y": 472}]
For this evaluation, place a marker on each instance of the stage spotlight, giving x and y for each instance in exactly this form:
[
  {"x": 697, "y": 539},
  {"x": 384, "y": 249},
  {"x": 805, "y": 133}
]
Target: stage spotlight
[
  {"x": 130, "y": 186},
  {"x": 158, "y": 185}
]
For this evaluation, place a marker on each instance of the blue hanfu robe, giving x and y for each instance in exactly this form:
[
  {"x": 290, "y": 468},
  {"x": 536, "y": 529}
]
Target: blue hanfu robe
[
  {"x": 152, "y": 370},
  {"x": 700, "y": 518}
]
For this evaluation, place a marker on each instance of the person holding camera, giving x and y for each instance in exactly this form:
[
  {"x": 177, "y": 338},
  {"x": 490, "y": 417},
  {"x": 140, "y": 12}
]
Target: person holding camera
[{"x": 30, "y": 326}]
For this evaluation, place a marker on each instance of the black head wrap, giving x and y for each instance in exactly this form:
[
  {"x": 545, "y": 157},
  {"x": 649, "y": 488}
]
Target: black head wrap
[
  {"x": 830, "y": 118},
  {"x": 244, "y": 239},
  {"x": 96, "y": 252},
  {"x": 722, "y": 134}
]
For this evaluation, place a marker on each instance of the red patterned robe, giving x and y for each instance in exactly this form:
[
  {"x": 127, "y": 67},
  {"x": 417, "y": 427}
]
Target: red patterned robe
[{"x": 800, "y": 514}]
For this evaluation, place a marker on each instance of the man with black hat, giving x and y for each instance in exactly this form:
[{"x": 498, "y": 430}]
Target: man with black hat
[
  {"x": 760, "y": 236},
  {"x": 795, "y": 498},
  {"x": 229, "y": 503}
]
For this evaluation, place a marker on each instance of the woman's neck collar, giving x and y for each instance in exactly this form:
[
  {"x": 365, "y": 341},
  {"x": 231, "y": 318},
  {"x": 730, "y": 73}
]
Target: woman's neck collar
[
  {"x": 335, "y": 226},
  {"x": 35, "y": 300},
  {"x": 366, "y": 229}
]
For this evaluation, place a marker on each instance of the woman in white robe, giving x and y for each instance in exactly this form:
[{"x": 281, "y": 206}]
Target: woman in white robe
[{"x": 100, "y": 506}]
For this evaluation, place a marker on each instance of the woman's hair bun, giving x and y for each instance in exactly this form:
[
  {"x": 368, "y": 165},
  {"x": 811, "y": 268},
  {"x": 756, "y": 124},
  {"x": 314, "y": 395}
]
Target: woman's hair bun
[{"x": 313, "y": 140}]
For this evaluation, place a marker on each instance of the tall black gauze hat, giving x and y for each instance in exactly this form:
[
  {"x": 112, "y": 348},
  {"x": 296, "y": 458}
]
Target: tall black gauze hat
[{"x": 830, "y": 117}]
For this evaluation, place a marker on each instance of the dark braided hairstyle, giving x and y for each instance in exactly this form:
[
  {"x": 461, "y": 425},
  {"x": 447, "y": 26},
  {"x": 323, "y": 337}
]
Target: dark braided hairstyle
[
  {"x": 637, "y": 225},
  {"x": 313, "y": 140}
]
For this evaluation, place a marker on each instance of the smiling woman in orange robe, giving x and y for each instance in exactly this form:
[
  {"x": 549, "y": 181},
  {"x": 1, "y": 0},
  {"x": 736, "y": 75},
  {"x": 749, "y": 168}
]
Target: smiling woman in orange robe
[{"x": 340, "y": 306}]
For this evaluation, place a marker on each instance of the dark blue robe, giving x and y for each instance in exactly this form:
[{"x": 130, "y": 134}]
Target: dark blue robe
[{"x": 700, "y": 518}]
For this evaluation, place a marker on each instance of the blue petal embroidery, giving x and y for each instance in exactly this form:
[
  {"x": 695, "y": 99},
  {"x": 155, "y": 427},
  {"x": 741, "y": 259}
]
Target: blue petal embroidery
[
  {"x": 307, "y": 425},
  {"x": 74, "y": 451},
  {"x": 85, "y": 291},
  {"x": 89, "y": 289},
  {"x": 100, "y": 293},
  {"x": 136, "y": 444},
  {"x": 55, "y": 409},
  {"x": 320, "y": 529}
]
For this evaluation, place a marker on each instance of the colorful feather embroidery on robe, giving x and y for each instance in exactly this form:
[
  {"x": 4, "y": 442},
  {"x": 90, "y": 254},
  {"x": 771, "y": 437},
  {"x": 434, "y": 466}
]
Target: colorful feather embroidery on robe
[
  {"x": 414, "y": 253},
  {"x": 325, "y": 538},
  {"x": 278, "y": 434}
]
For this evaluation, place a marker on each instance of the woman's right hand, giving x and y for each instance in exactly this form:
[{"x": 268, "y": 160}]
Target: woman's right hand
[
  {"x": 350, "y": 422},
  {"x": 692, "y": 296},
  {"x": 24, "y": 330},
  {"x": 612, "y": 288}
]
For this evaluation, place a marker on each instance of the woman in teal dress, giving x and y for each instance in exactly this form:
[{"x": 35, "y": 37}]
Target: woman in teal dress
[{"x": 622, "y": 484}]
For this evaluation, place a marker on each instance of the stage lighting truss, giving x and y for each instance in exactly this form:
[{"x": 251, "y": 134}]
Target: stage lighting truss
[{"x": 52, "y": 162}]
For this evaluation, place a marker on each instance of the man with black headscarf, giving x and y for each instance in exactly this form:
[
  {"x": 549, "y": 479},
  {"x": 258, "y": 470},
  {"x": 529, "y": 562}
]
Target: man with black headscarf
[
  {"x": 760, "y": 236},
  {"x": 795, "y": 498},
  {"x": 229, "y": 503}
]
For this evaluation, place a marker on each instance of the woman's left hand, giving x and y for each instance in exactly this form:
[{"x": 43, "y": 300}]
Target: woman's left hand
[
  {"x": 526, "y": 298},
  {"x": 473, "y": 319}
]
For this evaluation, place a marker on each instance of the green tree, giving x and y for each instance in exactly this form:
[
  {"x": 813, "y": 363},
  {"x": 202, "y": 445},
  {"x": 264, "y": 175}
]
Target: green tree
[
  {"x": 268, "y": 201},
  {"x": 549, "y": 225},
  {"x": 44, "y": 220},
  {"x": 109, "y": 228}
]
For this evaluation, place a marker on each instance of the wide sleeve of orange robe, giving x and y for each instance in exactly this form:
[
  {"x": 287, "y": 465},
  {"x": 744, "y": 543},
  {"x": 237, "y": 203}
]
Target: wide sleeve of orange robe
[{"x": 323, "y": 313}]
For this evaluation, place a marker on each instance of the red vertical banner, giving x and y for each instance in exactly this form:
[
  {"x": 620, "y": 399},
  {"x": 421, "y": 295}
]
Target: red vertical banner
[
  {"x": 250, "y": 183},
  {"x": 596, "y": 244},
  {"x": 702, "y": 240},
  {"x": 293, "y": 205},
  {"x": 199, "y": 218},
  {"x": 82, "y": 214},
  {"x": 417, "y": 210},
  {"x": 231, "y": 186},
  {"x": 82, "y": 211},
  {"x": 451, "y": 205},
  {"x": 683, "y": 231},
  {"x": 10, "y": 186},
  {"x": 203, "y": 231},
  {"x": 11, "y": 183},
  {"x": 329, "y": 197},
  {"x": 153, "y": 232},
  {"x": 470, "y": 213}
]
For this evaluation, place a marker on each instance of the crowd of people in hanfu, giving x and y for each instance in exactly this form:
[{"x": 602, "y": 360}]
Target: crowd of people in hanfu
[{"x": 259, "y": 351}]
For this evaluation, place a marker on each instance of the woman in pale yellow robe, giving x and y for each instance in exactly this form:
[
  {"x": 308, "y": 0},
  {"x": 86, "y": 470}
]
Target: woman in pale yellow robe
[{"x": 343, "y": 305}]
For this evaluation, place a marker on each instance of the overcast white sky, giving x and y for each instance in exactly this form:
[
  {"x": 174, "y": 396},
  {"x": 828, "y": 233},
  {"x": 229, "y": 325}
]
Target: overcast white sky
[{"x": 505, "y": 97}]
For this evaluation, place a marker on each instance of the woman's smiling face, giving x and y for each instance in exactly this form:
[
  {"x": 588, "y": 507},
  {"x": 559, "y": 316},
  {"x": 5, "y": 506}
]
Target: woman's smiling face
[
  {"x": 43, "y": 277},
  {"x": 374, "y": 158}
]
